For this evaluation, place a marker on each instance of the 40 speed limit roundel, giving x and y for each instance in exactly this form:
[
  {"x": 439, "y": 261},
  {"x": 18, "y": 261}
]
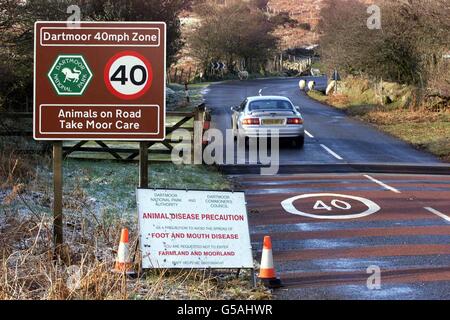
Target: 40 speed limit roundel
[
  {"x": 128, "y": 75},
  {"x": 330, "y": 206}
]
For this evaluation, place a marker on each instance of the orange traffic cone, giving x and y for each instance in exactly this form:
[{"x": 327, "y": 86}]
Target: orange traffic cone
[
  {"x": 123, "y": 261},
  {"x": 267, "y": 271}
]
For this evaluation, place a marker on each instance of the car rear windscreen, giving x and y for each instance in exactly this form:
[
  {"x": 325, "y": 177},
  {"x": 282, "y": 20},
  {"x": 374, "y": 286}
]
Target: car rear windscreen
[{"x": 280, "y": 105}]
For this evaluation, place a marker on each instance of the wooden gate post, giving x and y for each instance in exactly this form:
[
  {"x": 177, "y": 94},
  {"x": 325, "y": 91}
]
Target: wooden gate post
[
  {"x": 198, "y": 134},
  {"x": 58, "y": 232}
]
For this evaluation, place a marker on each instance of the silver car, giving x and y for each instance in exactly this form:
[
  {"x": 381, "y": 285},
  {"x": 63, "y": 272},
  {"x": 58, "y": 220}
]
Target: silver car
[{"x": 258, "y": 115}]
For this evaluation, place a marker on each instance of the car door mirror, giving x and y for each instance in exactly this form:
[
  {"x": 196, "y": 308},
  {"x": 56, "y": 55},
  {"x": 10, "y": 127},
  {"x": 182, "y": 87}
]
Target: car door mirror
[
  {"x": 235, "y": 109},
  {"x": 297, "y": 108}
]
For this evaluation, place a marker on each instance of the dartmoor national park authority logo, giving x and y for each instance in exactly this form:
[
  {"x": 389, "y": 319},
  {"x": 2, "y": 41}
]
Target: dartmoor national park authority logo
[{"x": 70, "y": 75}]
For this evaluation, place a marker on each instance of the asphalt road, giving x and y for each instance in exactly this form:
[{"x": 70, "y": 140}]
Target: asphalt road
[
  {"x": 408, "y": 236},
  {"x": 333, "y": 137},
  {"x": 329, "y": 227}
]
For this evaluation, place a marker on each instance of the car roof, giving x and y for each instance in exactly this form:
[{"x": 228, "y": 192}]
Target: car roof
[{"x": 262, "y": 98}]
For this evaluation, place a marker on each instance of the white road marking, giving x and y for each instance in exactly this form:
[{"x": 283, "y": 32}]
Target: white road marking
[
  {"x": 384, "y": 185},
  {"x": 309, "y": 134},
  {"x": 288, "y": 206},
  {"x": 334, "y": 154},
  {"x": 439, "y": 214}
]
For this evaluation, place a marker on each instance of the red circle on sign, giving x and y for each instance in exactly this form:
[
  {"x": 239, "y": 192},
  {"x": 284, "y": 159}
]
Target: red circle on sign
[{"x": 120, "y": 94}]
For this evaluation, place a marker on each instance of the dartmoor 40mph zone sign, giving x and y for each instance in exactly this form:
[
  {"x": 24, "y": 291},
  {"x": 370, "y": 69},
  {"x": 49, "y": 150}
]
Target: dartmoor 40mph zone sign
[{"x": 100, "y": 81}]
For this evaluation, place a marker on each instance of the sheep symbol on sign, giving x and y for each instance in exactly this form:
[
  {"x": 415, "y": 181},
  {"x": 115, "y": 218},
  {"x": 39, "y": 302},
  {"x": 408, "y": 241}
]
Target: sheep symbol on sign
[{"x": 71, "y": 75}]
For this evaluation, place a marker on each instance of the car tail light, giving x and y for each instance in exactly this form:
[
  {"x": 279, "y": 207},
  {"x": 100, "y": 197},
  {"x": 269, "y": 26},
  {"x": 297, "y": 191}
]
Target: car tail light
[
  {"x": 294, "y": 121},
  {"x": 250, "y": 121}
]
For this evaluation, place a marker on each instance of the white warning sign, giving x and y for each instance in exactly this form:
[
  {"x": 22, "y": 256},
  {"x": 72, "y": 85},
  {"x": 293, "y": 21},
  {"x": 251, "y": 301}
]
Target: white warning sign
[{"x": 193, "y": 229}]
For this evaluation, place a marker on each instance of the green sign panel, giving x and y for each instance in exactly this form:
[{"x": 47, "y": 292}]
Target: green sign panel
[{"x": 70, "y": 75}]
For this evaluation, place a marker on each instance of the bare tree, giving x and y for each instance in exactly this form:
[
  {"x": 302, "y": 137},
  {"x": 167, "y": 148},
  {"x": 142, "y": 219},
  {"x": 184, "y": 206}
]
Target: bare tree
[
  {"x": 232, "y": 32},
  {"x": 407, "y": 49}
]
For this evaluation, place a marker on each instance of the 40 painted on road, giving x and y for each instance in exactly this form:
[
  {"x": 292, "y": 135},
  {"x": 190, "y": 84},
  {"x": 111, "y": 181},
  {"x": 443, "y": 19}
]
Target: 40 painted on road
[{"x": 330, "y": 206}]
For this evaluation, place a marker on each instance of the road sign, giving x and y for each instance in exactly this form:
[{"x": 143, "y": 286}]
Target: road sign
[
  {"x": 218, "y": 65},
  {"x": 70, "y": 75},
  {"x": 193, "y": 229},
  {"x": 100, "y": 81},
  {"x": 329, "y": 206},
  {"x": 128, "y": 75}
]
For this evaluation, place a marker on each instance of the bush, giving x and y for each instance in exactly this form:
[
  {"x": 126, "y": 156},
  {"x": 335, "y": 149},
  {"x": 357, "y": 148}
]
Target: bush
[
  {"x": 14, "y": 169},
  {"x": 407, "y": 50}
]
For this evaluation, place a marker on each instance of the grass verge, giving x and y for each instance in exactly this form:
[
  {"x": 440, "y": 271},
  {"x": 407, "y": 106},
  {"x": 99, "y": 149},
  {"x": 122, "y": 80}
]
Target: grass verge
[
  {"x": 176, "y": 99},
  {"x": 99, "y": 199}
]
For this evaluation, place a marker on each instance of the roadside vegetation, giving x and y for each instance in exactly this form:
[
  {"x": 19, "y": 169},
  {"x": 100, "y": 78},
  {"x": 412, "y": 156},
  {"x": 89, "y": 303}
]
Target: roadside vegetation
[
  {"x": 395, "y": 77},
  {"x": 426, "y": 127},
  {"x": 176, "y": 96},
  {"x": 99, "y": 199}
]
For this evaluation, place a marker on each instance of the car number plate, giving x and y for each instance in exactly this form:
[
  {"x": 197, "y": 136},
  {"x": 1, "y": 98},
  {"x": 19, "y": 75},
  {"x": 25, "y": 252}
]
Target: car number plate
[{"x": 273, "y": 121}]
